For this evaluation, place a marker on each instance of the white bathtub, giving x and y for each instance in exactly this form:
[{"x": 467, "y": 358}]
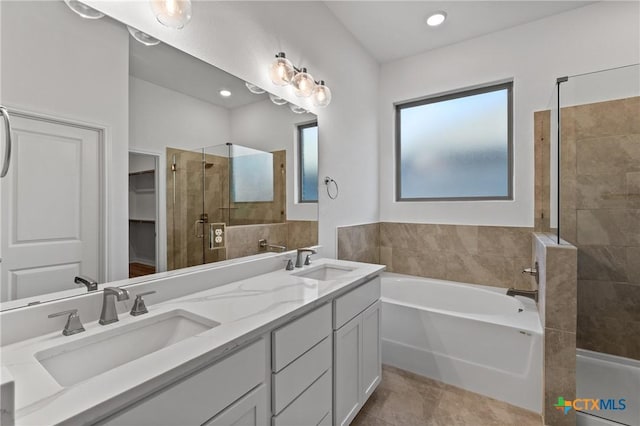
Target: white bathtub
[
  {"x": 608, "y": 377},
  {"x": 473, "y": 337}
]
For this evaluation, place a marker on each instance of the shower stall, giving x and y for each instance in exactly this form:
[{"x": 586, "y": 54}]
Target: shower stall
[
  {"x": 595, "y": 205},
  {"x": 212, "y": 188}
]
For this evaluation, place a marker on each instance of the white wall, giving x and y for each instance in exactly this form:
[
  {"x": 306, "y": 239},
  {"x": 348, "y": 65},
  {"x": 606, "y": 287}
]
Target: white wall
[
  {"x": 42, "y": 72},
  {"x": 599, "y": 36},
  {"x": 269, "y": 127},
  {"x": 161, "y": 118},
  {"x": 242, "y": 38}
]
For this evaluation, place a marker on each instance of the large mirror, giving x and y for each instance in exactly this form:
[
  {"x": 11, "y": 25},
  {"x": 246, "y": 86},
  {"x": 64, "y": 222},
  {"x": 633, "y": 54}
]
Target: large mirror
[{"x": 130, "y": 159}]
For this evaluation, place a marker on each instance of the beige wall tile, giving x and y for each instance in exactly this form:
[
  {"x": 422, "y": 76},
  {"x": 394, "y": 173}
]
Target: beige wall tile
[
  {"x": 559, "y": 375},
  {"x": 601, "y": 192},
  {"x": 504, "y": 241},
  {"x": 423, "y": 264},
  {"x": 607, "y": 263},
  {"x": 608, "y": 227},
  {"x": 360, "y": 243},
  {"x": 561, "y": 287},
  {"x": 302, "y": 233},
  {"x": 633, "y": 264},
  {"x": 600, "y": 156}
]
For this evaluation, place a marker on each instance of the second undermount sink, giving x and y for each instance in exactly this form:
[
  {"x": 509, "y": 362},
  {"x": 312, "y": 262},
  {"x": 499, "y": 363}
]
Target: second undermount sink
[
  {"x": 324, "y": 272},
  {"x": 85, "y": 358}
]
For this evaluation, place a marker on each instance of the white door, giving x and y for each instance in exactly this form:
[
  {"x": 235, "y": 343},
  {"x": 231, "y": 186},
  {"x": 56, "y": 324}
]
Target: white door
[
  {"x": 50, "y": 208},
  {"x": 371, "y": 353},
  {"x": 347, "y": 348}
]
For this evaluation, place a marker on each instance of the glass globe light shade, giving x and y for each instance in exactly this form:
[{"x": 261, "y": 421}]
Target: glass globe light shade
[
  {"x": 256, "y": 90},
  {"x": 321, "y": 95},
  {"x": 277, "y": 100},
  {"x": 281, "y": 70},
  {"x": 83, "y": 10},
  {"x": 172, "y": 13},
  {"x": 297, "y": 109},
  {"x": 143, "y": 38},
  {"x": 303, "y": 83}
]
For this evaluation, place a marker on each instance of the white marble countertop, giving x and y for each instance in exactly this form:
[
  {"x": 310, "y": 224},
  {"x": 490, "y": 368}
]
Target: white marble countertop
[{"x": 245, "y": 310}]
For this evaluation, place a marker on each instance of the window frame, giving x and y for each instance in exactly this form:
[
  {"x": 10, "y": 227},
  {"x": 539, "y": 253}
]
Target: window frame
[
  {"x": 300, "y": 128},
  {"x": 449, "y": 96}
]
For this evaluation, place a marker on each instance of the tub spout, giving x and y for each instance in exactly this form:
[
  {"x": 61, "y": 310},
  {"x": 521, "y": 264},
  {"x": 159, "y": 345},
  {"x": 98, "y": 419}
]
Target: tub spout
[{"x": 532, "y": 294}]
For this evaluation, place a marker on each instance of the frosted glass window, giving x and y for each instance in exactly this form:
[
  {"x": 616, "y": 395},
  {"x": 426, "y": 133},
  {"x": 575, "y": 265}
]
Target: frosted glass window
[
  {"x": 251, "y": 175},
  {"x": 456, "y": 146},
  {"x": 308, "y": 149}
]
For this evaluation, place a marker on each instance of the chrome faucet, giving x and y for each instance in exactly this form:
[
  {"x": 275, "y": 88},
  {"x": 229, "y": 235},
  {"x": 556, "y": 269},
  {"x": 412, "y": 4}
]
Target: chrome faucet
[
  {"x": 301, "y": 252},
  {"x": 91, "y": 284},
  {"x": 109, "y": 313}
]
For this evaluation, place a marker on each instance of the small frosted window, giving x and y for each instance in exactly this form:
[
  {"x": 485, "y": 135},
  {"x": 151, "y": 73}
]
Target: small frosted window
[
  {"x": 456, "y": 146},
  {"x": 308, "y": 149},
  {"x": 251, "y": 175}
]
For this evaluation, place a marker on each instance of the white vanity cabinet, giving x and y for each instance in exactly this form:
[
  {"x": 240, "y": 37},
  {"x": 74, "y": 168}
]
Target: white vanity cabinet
[
  {"x": 357, "y": 361},
  {"x": 229, "y": 391},
  {"x": 301, "y": 381}
]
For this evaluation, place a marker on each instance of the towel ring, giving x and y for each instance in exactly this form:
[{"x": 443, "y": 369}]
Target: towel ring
[{"x": 327, "y": 181}]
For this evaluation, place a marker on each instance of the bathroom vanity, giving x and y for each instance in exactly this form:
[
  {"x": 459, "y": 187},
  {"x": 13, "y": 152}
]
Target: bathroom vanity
[{"x": 282, "y": 348}]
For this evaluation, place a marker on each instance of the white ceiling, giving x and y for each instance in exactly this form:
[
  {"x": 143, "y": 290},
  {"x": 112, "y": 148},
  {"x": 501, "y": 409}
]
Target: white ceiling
[
  {"x": 173, "y": 69},
  {"x": 392, "y": 30}
]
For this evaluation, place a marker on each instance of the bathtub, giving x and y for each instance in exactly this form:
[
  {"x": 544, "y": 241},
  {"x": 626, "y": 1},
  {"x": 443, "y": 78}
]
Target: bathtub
[
  {"x": 473, "y": 337},
  {"x": 608, "y": 376}
]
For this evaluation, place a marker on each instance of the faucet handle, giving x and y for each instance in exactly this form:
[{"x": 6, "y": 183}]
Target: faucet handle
[
  {"x": 73, "y": 325},
  {"x": 307, "y": 260},
  {"x": 139, "y": 306},
  {"x": 289, "y": 266}
]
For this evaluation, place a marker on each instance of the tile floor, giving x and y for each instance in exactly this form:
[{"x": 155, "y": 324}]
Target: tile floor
[{"x": 406, "y": 399}]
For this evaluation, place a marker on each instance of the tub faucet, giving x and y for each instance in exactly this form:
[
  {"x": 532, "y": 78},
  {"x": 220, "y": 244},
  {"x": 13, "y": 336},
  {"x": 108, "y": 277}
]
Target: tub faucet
[
  {"x": 301, "y": 252},
  {"x": 109, "y": 313},
  {"x": 532, "y": 294},
  {"x": 90, "y": 283}
]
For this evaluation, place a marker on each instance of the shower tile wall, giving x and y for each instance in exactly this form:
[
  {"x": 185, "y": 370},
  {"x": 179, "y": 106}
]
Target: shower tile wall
[
  {"x": 487, "y": 255},
  {"x": 600, "y": 187},
  {"x": 557, "y": 266}
]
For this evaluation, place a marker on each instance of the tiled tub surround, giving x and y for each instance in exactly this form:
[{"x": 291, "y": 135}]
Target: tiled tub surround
[
  {"x": 600, "y": 214},
  {"x": 260, "y": 303},
  {"x": 487, "y": 255},
  {"x": 557, "y": 305}
]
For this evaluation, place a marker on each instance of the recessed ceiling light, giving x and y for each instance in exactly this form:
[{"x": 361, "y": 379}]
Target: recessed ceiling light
[
  {"x": 436, "y": 18},
  {"x": 225, "y": 93}
]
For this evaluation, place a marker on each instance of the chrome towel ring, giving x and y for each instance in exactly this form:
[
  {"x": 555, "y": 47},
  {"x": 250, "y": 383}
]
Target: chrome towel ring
[{"x": 327, "y": 181}]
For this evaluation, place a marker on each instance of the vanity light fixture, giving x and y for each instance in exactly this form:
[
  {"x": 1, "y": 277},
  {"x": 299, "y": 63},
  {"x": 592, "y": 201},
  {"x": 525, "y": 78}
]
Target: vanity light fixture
[
  {"x": 225, "y": 93},
  {"x": 436, "y": 18},
  {"x": 276, "y": 99},
  {"x": 321, "y": 95},
  {"x": 283, "y": 72},
  {"x": 143, "y": 38},
  {"x": 83, "y": 10},
  {"x": 256, "y": 90},
  {"x": 172, "y": 13},
  {"x": 297, "y": 109}
]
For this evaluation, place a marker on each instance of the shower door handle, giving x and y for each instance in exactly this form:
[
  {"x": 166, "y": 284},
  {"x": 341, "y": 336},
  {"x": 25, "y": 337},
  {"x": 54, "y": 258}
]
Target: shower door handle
[{"x": 7, "y": 149}]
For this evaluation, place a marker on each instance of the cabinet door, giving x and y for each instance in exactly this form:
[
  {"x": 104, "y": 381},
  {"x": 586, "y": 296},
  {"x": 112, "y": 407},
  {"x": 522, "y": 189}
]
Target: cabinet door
[
  {"x": 347, "y": 347},
  {"x": 251, "y": 410},
  {"x": 371, "y": 353}
]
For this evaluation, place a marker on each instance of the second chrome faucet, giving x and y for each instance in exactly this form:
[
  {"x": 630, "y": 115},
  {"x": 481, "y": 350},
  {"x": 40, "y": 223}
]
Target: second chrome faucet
[{"x": 109, "y": 313}]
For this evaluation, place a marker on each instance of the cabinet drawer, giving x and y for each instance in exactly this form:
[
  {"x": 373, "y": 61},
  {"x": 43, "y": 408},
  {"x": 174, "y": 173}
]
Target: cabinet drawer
[
  {"x": 250, "y": 410},
  {"x": 292, "y": 380},
  {"x": 309, "y": 408},
  {"x": 300, "y": 335},
  {"x": 351, "y": 304},
  {"x": 202, "y": 395}
]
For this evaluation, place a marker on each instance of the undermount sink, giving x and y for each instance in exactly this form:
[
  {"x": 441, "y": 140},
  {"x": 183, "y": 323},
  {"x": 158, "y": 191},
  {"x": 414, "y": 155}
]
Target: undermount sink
[
  {"x": 85, "y": 358},
  {"x": 324, "y": 272}
]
